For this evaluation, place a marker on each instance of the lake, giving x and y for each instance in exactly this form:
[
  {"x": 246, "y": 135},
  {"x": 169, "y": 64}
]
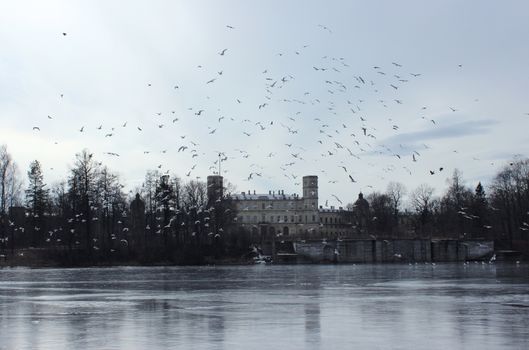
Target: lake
[{"x": 424, "y": 306}]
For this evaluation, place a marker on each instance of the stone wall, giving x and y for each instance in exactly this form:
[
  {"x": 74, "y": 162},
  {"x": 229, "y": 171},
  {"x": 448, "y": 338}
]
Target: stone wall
[{"x": 398, "y": 250}]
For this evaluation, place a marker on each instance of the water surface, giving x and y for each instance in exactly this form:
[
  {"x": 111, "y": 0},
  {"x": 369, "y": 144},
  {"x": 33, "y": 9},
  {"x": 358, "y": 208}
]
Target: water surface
[{"x": 443, "y": 306}]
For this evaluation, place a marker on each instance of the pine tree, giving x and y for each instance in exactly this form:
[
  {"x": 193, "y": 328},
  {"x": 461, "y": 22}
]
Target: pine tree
[
  {"x": 480, "y": 212},
  {"x": 37, "y": 200},
  {"x": 480, "y": 193},
  {"x": 82, "y": 194}
]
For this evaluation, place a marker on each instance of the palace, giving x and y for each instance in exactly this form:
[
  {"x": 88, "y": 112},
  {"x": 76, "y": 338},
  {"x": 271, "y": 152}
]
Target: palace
[{"x": 280, "y": 214}]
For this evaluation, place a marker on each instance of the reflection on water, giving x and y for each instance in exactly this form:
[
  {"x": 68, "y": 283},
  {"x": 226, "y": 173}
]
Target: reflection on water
[{"x": 453, "y": 306}]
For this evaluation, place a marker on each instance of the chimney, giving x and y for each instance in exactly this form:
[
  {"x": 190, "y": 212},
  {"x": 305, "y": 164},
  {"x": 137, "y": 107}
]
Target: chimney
[
  {"x": 248, "y": 191},
  {"x": 269, "y": 192},
  {"x": 253, "y": 191}
]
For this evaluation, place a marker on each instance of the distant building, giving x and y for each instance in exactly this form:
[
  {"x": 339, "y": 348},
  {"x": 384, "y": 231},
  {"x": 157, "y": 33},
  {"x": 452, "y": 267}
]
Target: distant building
[
  {"x": 361, "y": 213},
  {"x": 287, "y": 215},
  {"x": 336, "y": 223}
]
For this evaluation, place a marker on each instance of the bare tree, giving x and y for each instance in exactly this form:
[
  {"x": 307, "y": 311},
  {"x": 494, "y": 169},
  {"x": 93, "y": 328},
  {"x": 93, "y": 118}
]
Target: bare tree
[
  {"x": 422, "y": 201},
  {"x": 396, "y": 191},
  {"x": 195, "y": 194},
  {"x": 510, "y": 200},
  {"x": 382, "y": 212},
  {"x": 10, "y": 183},
  {"x": 455, "y": 216}
]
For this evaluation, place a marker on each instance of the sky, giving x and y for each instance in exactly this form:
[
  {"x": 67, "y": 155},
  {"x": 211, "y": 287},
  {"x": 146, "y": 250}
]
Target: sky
[{"x": 370, "y": 92}]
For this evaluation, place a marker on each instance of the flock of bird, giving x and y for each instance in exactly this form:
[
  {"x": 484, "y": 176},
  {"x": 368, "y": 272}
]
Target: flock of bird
[{"x": 341, "y": 120}]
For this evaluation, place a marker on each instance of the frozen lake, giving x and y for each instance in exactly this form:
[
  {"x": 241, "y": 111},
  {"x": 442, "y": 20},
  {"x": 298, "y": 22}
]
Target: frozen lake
[{"x": 444, "y": 306}]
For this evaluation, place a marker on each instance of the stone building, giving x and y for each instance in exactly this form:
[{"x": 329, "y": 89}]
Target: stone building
[
  {"x": 286, "y": 215},
  {"x": 336, "y": 223},
  {"x": 361, "y": 213}
]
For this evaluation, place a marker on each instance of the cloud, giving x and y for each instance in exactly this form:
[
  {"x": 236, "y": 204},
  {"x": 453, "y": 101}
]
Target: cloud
[{"x": 406, "y": 143}]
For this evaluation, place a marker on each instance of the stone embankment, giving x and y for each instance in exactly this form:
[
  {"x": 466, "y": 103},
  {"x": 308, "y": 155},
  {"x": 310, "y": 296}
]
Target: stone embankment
[{"x": 382, "y": 251}]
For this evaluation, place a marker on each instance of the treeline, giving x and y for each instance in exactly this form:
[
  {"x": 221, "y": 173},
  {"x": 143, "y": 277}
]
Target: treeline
[
  {"x": 500, "y": 212},
  {"x": 87, "y": 218}
]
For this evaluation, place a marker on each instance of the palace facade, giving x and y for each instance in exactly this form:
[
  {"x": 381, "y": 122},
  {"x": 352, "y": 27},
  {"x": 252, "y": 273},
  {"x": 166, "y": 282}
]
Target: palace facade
[{"x": 288, "y": 215}]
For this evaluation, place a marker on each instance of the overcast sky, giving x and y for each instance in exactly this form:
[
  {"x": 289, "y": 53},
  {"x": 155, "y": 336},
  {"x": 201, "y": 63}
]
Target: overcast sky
[{"x": 316, "y": 84}]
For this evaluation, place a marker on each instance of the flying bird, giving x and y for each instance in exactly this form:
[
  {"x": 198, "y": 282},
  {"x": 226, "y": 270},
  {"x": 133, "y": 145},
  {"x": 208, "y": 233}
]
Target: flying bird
[
  {"x": 325, "y": 28},
  {"x": 338, "y": 199}
]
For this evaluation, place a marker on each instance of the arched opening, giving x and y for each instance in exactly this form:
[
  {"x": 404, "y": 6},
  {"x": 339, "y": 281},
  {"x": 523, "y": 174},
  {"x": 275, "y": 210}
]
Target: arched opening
[{"x": 285, "y": 231}]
